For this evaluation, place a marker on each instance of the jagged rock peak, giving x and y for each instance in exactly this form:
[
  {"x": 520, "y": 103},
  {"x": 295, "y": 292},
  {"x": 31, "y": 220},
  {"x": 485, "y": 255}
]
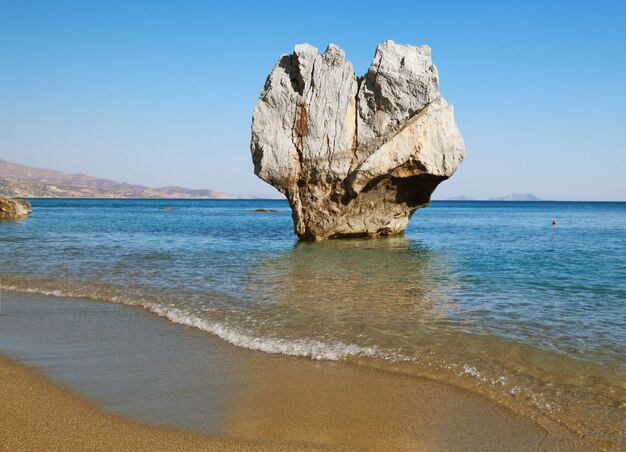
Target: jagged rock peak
[{"x": 354, "y": 157}]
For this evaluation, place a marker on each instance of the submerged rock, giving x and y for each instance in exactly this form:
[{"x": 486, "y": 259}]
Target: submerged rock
[
  {"x": 13, "y": 209},
  {"x": 261, "y": 210},
  {"x": 354, "y": 156}
]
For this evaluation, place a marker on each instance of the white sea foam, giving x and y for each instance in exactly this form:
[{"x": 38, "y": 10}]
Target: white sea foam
[
  {"x": 471, "y": 370},
  {"x": 297, "y": 347}
]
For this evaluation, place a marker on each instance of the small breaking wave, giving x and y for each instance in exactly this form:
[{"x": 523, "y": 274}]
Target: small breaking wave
[
  {"x": 313, "y": 349},
  {"x": 298, "y": 347}
]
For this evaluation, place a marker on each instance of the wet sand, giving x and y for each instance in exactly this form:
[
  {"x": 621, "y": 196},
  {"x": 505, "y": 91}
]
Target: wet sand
[
  {"x": 111, "y": 377},
  {"x": 37, "y": 414}
]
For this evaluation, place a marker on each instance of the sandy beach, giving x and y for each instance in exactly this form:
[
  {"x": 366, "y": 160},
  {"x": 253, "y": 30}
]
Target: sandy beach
[{"x": 80, "y": 390}]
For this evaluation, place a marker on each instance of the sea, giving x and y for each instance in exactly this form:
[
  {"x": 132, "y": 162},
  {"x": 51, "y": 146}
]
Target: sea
[{"x": 487, "y": 296}]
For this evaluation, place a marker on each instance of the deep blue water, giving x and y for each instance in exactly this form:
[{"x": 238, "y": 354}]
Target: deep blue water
[{"x": 487, "y": 295}]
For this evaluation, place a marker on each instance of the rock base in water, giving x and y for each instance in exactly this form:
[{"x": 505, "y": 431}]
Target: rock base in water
[{"x": 354, "y": 156}]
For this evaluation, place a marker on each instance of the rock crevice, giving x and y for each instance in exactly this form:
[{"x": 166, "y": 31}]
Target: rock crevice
[{"x": 354, "y": 156}]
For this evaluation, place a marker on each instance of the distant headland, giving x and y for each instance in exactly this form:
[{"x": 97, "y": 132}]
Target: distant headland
[
  {"x": 509, "y": 197},
  {"x": 28, "y": 182}
]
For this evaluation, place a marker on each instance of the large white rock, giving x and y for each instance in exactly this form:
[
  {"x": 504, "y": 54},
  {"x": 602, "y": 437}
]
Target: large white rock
[{"x": 354, "y": 157}]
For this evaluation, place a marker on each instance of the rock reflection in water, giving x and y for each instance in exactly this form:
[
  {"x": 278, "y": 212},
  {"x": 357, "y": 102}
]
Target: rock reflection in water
[{"x": 384, "y": 292}]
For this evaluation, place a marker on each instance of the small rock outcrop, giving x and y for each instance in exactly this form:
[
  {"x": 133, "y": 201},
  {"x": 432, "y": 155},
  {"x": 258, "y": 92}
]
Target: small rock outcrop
[
  {"x": 13, "y": 209},
  {"x": 354, "y": 156}
]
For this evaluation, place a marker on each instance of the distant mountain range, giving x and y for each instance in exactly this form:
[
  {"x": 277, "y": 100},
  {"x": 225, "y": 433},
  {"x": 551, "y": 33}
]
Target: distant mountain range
[
  {"x": 509, "y": 197},
  {"x": 28, "y": 182}
]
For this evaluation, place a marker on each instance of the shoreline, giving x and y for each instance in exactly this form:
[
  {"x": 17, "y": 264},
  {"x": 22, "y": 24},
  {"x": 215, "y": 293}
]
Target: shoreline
[{"x": 264, "y": 399}]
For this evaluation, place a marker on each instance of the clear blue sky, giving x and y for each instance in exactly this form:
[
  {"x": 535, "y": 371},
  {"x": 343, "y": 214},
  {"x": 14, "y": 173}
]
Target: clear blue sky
[{"x": 161, "y": 93}]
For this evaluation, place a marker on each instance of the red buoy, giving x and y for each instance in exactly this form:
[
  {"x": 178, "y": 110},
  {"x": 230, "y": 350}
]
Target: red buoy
[{"x": 553, "y": 222}]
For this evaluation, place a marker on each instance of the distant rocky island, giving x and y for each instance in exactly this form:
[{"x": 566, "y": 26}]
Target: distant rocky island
[
  {"x": 355, "y": 156},
  {"x": 517, "y": 197},
  {"x": 28, "y": 182},
  {"x": 509, "y": 197}
]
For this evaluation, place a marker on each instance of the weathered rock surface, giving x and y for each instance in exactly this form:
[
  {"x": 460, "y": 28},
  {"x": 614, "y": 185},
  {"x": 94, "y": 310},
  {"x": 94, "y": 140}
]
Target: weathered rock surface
[
  {"x": 13, "y": 209},
  {"x": 354, "y": 156}
]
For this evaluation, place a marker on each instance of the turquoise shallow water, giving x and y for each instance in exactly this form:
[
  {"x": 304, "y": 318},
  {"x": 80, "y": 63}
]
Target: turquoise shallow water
[{"x": 486, "y": 295}]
